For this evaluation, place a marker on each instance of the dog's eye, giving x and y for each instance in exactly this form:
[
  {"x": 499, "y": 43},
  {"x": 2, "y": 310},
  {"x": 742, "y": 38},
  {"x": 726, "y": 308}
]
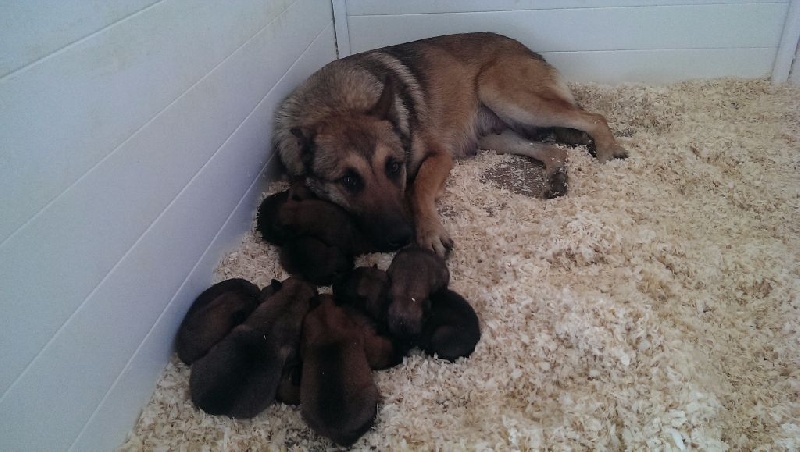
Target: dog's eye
[
  {"x": 393, "y": 167},
  {"x": 351, "y": 181}
]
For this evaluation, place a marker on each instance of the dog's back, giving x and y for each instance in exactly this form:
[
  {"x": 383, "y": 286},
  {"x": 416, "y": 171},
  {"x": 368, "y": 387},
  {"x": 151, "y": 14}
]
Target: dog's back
[{"x": 435, "y": 91}]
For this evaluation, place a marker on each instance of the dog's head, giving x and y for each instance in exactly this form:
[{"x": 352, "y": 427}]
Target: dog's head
[{"x": 358, "y": 160}]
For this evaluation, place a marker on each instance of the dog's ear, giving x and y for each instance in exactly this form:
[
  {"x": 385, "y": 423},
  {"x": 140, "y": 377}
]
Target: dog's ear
[
  {"x": 298, "y": 191},
  {"x": 305, "y": 141},
  {"x": 384, "y": 108}
]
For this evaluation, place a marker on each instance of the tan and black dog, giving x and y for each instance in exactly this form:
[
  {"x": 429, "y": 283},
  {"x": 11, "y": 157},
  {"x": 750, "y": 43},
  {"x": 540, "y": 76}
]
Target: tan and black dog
[{"x": 377, "y": 132}]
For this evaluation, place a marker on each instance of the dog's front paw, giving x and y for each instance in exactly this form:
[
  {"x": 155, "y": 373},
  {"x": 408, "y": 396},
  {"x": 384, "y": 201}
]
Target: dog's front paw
[
  {"x": 434, "y": 236},
  {"x": 614, "y": 152}
]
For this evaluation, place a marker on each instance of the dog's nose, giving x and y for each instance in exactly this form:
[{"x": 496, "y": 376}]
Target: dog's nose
[{"x": 398, "y": 236}]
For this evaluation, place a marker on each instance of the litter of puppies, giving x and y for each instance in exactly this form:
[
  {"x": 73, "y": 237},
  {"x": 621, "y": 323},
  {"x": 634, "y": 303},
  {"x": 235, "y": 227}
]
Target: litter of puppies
[
  {"x": 287, "y": 343},
  {"x": 240, "y": 375}
]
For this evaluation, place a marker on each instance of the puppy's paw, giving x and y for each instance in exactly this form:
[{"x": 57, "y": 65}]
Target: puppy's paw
[{"x": 434, "y": 236}]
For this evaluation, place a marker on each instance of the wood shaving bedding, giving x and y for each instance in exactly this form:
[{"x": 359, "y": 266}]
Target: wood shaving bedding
[{"x": 656, "y": 306}]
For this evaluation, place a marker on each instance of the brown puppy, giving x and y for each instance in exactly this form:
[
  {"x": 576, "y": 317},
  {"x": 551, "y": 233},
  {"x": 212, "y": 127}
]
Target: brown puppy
[
  {"x": 239, "y": 376},
  {"x": 451, "y": 329},
  {"x": 377, "y": 132},
  {"x": 338, "y": 396},
  {"x": 366, "y": 288},
  {"x": 415, "y": 273},
  {"x": 365, "y": 296},
  {"x": 289, "y": 387},
  {"x": 381, "y": 350},
  {"x": 273, "y": 287},
  {"x": 318, "y": 239},
  {"x": 315, "y": 261},
  {"x": 272, "y": 231},
  {"x": 298, "y": 212},
  {"x": 213, "y": 315}
]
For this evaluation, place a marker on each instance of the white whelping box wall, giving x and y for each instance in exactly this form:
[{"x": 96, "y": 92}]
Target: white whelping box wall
[
  {"x": 133, "y": 134},
  {"x": 134, "y": 137},
  {"x": 601, "y": 40}
]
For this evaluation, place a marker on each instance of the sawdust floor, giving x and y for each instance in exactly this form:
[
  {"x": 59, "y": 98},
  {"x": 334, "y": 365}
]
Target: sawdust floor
[{"x": 656, "y": 306}]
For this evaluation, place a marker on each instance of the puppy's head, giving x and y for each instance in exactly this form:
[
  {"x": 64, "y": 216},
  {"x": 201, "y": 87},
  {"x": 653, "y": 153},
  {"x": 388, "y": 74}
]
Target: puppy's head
[
  {"x": 358, "y": 160},
  {"x": 405, "y": 317}
]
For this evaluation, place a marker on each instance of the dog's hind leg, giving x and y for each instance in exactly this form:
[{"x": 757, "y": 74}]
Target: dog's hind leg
[
  {"x": 553, "y": 157},
  {"x": 573, "y": 137},
  {"x": 525, "y": 91}
]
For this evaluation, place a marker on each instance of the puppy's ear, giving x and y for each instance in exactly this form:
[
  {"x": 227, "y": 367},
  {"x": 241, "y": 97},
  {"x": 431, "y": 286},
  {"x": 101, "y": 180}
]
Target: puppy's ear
[
  {"x": 315, "y": 302},
  {"x": 384, "y": 108},
  {"x": 305, "y": 141}
]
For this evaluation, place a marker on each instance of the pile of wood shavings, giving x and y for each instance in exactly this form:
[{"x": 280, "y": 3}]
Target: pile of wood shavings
[{"x": 657, "y": 305}]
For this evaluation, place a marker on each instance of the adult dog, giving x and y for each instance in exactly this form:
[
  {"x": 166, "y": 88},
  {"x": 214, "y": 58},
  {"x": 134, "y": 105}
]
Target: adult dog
[{"x": 377, "y": 132}]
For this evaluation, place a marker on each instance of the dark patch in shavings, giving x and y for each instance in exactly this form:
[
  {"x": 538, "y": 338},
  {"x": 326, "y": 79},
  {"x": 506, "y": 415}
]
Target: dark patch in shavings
[{"x": 519, "y": 175}]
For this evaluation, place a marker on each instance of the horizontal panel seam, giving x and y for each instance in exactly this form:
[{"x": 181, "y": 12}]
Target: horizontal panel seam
[
  {"x": 78, "y": 41},
  {"x": 137, "y": 131}
]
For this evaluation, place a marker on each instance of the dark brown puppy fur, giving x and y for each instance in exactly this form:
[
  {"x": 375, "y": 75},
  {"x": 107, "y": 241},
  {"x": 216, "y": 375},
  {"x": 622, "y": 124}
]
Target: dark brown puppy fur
[
  {"x": 377, "y": 132},
  {"x": 415, "y": 273},
  {"x": 273, "y": 287},
  {"x": 451, "y": 329},
  {"x": 366, "y": 288},
  {"x": 315, "y": 261},
  {"x": 213, "y": 315},
  {"x": 365, "y": 297},
  {"x": 239, "y": 376},
  {"x": 381, "y": 350},
  {"x": 298, "y": 212},
  {"x": 318, "y": 239},
  {"x": 338, "y": 395},
  {"x": 267, "y": 223},
  {"x": 289, "y": 387}
]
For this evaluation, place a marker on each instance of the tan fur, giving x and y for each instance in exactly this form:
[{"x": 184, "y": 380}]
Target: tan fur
[{"x": 424, "y": 104}]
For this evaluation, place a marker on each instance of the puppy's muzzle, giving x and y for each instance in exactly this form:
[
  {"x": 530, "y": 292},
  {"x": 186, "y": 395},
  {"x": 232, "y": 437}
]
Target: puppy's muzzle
[{"x": 405, "y": 318}]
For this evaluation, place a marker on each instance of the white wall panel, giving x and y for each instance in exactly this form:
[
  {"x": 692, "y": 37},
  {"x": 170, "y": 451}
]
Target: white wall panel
[
  {"x": 794, "y": 76},
  {"x": 582, "y": 29},
  {"x": 661, "y": 66},
  {"x": 34, "y": 29},
  {"x": 639, "y": 40},
  {"x": 135, "y": 384},
  {"x": 382, "y": 7},
  {"x": 85, "y": 280},
  {"x": 790, "y": 43},
  {"x": 62, "y": 115},
  {"x": 146, "y": 172}
]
